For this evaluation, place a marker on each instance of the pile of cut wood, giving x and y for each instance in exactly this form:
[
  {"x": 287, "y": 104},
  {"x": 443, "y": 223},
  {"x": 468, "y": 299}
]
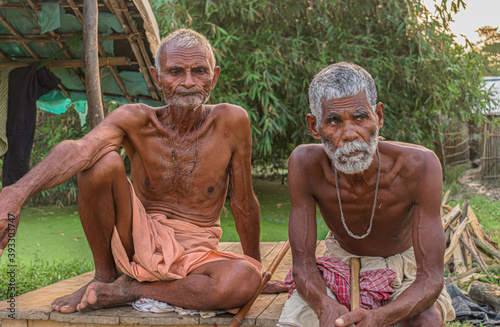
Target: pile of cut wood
[{"x": 470, "y": 254}]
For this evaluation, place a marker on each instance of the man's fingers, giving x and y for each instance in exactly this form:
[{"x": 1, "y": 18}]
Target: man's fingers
[{"x": 350, "y": 318}]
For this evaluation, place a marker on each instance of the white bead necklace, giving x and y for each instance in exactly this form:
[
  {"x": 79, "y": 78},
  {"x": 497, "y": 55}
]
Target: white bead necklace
[{"x": 374, "y": 203}]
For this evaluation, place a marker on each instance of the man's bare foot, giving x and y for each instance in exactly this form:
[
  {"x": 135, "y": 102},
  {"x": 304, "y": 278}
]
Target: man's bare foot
[
  {"x": 274, "y": 286},
  {"x": 102, "y": 295},
  {"x": 68, "y": 303}
]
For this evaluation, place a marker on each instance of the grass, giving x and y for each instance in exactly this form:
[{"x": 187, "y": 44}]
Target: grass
[{"x": 39, "y": 274}]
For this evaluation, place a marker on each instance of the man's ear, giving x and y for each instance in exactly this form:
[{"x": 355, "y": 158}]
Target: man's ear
[
  {"x": 154, "y": 73},
  {"x": 379, "y": 111},
  {"x": 216, "y": 76},
  {"x": 311, "y": 123}
]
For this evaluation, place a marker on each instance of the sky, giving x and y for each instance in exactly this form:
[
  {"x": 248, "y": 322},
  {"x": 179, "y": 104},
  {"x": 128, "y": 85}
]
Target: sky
[{"x": 478, "y": 13}]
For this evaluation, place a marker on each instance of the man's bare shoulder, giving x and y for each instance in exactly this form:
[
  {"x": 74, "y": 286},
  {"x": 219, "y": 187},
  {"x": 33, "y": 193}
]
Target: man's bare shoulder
[
  {"x": 131, "y": 115},
  {"x": 414, "y": 159},
  {"x": 229, "y": 113},
  {"x": 306, "y": 156}
]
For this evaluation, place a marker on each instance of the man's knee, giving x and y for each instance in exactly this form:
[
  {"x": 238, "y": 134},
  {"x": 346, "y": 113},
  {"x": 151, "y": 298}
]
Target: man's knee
[
  {"x": 104, "y": 170},
  {"x": 430, "y": 317},
  {"x": 241, "y": 282}
]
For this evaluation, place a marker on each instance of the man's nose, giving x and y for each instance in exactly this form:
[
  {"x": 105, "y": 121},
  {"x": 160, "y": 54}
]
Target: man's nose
[
  {"x": 349, "y": 133},
  {"x": 188, "y": 80}
]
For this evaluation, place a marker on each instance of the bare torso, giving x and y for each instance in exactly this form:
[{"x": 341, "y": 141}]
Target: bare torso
[
  {"x": 197, "y": 197},
  {"x": 401, "y": 165}
]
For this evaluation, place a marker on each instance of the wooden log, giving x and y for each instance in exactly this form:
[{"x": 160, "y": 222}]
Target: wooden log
[
  {"x": 92, "y": 78},
  {"x": 355, "y": 297},
  {"x": 476, "y": 270},
  {"x": 443, "y": 202},
  {"x": 451, "y": 216},
  {"x": 455, "y": 239},
  {"x": 445, "y": 198},
  {"x": 471, "y": 251},
  {"x": 478, "y": 230},
  {"x": 458, "y": 261},
  {"x": 485, "y": 293},
  {"x": 486, "y": 248}
]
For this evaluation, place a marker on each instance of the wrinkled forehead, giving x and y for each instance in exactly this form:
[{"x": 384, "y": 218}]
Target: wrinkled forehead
[
  {"x": 181, "y": 56},
  {"x": 354, "y": 102}
]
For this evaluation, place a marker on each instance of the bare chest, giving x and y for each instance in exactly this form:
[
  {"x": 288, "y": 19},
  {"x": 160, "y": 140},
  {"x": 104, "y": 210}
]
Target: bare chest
[
  {"x": 385, "y": 221},
  {"x": 165, "y": 170}
]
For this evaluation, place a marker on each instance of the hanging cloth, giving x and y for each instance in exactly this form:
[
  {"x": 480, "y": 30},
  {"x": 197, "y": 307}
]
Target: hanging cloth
[
  {"x": 4, "y": 104},
  {"x": 26, "y": 85}
]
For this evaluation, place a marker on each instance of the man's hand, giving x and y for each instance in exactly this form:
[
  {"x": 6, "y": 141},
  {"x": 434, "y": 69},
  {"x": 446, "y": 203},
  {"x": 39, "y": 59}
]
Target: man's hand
[
  {"x": 359, "y": 318},
  {"x": 10, "y": 209},
  {"x": 331, "y": 310}
]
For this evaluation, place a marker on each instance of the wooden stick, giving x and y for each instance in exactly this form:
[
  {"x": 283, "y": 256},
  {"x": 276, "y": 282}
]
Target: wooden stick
[
  {"x": 478, "y": 230},
  {"x": 355, "y": 267},
  {"x": 489, "y": 250},
  {"x": 470, "y": 247},
  {"x": 450, "y": 216},
  {"x": 454, "y": 240},
  {"x": 475, "y": 270},
  {"x": 240, "y": 316}
]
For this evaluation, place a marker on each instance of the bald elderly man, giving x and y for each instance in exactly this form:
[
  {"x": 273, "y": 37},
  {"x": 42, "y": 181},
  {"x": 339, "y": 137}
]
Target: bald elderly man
[{"x": 158, "y": 238}]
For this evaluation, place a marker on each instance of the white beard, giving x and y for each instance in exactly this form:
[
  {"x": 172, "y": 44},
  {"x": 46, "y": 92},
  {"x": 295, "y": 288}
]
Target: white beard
[
  {"x": 355, "y": 164},
  {"x": 186, "y": 102}
]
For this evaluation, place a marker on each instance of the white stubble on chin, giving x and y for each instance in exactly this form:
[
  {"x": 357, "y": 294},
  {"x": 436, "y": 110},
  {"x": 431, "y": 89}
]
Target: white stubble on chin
[{"x": 352, "y": 164}]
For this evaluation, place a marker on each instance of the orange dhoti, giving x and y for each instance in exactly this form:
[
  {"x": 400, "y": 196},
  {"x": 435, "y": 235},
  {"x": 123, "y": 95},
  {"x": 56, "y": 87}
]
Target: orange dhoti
[{"x": 168, "y": 249}]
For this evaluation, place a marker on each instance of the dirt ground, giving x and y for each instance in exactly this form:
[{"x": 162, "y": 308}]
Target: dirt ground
[{"x": 472, "y": 179}]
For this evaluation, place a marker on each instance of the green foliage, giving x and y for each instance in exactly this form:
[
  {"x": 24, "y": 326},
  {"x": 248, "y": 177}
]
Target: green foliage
[
  {"x": 39, "y": 274},
  {"x": 52, "y": 130},
  {"x": 489, "y": 48},
  {"x": 269, "y": 51}
]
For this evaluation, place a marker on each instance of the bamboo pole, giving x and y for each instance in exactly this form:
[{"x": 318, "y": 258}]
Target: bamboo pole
[
  {"x": 355, "y": 297},
  {"x": 138, "y": 53},
  {"x": 18, "y": 36},
  {"x": 92, "y": 80},
  {"x": 71, "y": 63},
  {"x": 102, "y": 53},
  {"x": 62, "y": 37},
  {"x": 240, "y": 316}
]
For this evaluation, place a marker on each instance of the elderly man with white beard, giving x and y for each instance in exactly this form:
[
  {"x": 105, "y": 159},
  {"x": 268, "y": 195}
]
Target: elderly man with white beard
[
  {"x": 381, "y": 202},
  {"x": 158, "y": 238}
]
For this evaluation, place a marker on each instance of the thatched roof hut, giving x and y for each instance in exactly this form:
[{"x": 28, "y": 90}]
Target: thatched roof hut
[{"x": 60, "y": 35}]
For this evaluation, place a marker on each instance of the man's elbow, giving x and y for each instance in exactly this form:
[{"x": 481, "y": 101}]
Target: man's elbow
[{"x": 247, "y": 207}]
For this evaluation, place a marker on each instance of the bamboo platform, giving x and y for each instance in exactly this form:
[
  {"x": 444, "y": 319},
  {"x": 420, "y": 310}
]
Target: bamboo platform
[{"x": 33, "y": 309}]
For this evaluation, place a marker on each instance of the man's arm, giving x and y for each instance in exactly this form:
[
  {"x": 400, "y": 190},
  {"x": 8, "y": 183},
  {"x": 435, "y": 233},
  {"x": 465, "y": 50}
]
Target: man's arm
[
  {"x": 244, "y": 204},
  {"x": 66, "y": 160},
  {"x": 303, "y": 234},
  {"x": 429, "y": 246}
]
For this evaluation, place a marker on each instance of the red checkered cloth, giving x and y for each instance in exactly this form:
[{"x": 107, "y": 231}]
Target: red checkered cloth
[{"x": 375, "y": 285}]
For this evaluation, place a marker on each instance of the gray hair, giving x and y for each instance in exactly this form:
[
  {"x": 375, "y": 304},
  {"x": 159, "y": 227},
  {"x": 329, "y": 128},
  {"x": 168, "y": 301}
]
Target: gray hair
[
  {"x": 340, "y": 80},
  {"x": 184, "y": 38}
]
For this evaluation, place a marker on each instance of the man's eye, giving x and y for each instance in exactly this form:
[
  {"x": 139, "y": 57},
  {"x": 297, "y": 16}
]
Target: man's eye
[
  {"x": 334, "y": 122},
  {"x": 361, "y": 117},
  {"x": 199, "y": 70},
  {"x": 175, "y": 71}
]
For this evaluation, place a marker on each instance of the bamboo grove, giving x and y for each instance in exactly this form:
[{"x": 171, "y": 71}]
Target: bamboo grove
[{"x": 269, "y": 51}]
